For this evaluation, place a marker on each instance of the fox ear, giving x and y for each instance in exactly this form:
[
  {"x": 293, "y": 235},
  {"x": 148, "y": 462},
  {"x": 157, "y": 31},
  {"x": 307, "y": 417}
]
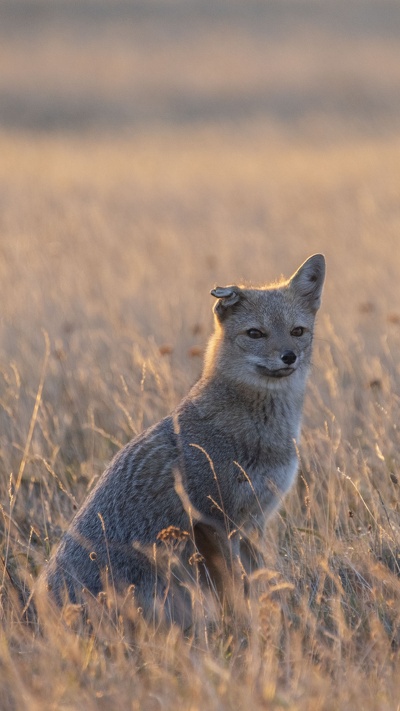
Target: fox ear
[
  {"x": 308, "y": 281},
  {"x": 227, "y": 296}
]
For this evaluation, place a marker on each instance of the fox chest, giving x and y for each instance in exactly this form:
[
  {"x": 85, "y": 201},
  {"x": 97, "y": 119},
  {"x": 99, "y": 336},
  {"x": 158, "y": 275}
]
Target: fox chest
[{"x": 262, "y": 489}]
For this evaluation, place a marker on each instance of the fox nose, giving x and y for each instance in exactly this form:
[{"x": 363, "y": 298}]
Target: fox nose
[{"x": 288, "y": 357}]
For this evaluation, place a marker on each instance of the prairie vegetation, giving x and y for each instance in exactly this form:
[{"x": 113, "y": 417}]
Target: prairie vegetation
[{"x": 145, "y": 159}]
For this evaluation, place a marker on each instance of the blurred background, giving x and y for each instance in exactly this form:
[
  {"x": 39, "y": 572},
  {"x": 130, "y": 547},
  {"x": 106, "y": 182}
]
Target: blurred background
[
  {"x": 151, "y": 149},
  {"x": 316, "y": 67}
]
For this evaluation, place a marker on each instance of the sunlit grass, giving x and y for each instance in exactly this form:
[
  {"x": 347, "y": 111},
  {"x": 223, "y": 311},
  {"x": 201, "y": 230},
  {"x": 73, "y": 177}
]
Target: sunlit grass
[{"x": 110, "y": 247}]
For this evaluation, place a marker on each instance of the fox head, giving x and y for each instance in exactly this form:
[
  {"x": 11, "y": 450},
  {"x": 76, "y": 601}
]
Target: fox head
[{"x": 263, "y": 337}]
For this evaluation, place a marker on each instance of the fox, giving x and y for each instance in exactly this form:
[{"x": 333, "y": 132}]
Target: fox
[{"x": 204, "y": 480}]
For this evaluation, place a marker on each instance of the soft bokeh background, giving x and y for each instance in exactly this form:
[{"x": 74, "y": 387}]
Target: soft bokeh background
[
  {"x": 150, "y": 150},
  {"x": 224, "y": 139}
]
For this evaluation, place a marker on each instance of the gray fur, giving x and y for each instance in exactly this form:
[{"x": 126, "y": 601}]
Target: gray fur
[{"x": 217, "y": 467}]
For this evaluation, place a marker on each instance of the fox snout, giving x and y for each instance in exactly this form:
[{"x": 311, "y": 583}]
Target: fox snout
[{"x": 288, "y": 357}]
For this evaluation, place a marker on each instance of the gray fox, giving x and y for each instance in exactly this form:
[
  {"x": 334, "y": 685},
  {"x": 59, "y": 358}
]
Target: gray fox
[{"x": 208, "y": 476}]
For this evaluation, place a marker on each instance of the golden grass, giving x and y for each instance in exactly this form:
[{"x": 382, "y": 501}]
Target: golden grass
[{"x": 110, "y": 246}]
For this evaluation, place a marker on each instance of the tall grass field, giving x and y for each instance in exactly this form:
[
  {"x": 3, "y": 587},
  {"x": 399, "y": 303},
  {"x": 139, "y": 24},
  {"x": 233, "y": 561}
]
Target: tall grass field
[{"x": 149, "y": 152}]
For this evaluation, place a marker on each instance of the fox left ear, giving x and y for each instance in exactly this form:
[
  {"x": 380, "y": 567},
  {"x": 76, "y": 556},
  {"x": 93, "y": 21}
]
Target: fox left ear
[
  {"x": 308, "y": 281},
  {"x": 227, "y": 297}
]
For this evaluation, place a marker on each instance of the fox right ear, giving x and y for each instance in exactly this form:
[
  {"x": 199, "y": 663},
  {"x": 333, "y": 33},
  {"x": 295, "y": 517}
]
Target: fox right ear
[
  {"x": 227, "y": 296},
  {"x": 308, "y": 281}
]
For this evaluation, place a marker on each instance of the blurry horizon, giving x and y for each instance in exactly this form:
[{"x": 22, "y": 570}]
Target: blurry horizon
[{"x": 313, "y": 68}]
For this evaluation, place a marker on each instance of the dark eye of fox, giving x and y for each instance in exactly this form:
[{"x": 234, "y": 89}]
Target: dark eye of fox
[
  {"x": 254, "y": 333},
  {"x": 297, "y": 332}
]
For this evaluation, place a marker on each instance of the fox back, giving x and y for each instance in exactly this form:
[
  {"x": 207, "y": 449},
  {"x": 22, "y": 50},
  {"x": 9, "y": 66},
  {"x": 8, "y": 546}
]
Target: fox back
[{"x": 209, "y": 475}]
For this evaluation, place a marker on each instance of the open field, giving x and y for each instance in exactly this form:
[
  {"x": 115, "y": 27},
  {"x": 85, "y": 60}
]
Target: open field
[{"x": 147, "y": 153}]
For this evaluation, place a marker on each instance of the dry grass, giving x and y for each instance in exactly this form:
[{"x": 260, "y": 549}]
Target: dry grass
[
  {"x": 109, "y": 245},
  {"x": 114, "y": 259}
]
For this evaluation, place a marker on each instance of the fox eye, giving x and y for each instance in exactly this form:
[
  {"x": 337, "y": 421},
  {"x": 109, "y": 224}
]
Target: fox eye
[
  {"x": 297, "y": 332},
  {"x": 254, "y": 333}
]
